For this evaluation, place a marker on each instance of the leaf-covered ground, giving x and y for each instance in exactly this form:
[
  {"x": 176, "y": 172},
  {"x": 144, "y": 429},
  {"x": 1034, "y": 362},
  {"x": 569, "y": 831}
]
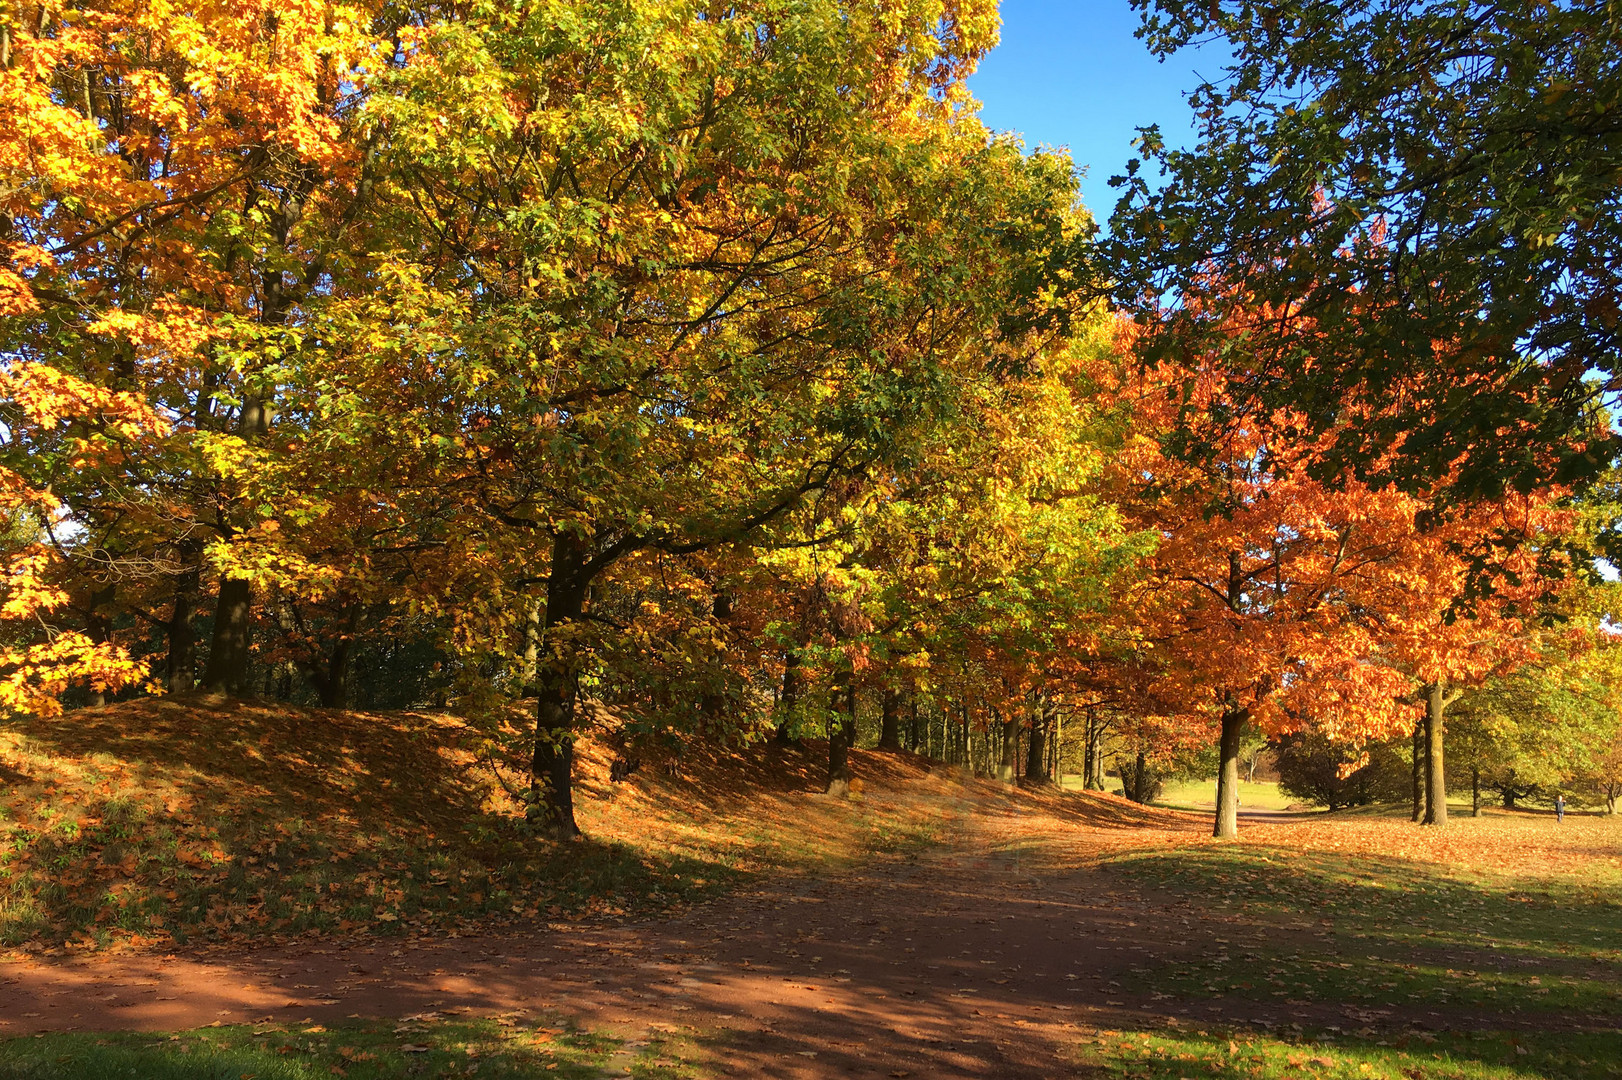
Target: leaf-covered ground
[
  {"x": 936, "y": 927},
  {"x": 179, "y": 821},
  {"x": 1053, "y": 936}
]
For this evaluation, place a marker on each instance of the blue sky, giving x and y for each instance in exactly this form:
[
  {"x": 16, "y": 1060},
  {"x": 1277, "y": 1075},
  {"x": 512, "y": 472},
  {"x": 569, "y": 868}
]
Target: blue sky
[{"x": 1070, "y": 73}]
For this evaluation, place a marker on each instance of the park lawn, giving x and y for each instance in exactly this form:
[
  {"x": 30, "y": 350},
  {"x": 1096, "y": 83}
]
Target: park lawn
[
  {"x": 1501, "y": 923},
  {"x": 1201, "y": 795},
  {"x": 515, "y": 1048},
  {"x": 1177, "y": 1055}
]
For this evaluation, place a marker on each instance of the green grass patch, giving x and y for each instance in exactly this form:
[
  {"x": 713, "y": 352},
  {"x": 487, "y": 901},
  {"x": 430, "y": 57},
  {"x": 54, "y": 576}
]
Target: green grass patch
[
  {"x": 507, "y": 1049},
  {"x": 1487, "y": 1056},
  {"x": 1387, "y": 934},
  {"x": 1201, "y": 795}
]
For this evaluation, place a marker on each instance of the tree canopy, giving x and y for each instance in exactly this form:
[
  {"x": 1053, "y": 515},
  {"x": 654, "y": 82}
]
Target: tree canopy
[
  {"x": 1377, "y": 179},
  {"x": 716, "y": 370}
]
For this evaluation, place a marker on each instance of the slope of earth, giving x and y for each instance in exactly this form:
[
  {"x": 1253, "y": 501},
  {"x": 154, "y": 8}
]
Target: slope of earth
[
  {"x": 1046, "y": 935},
  {"x": 935, "y": 927},
  {"x": 189, "y": 820}
]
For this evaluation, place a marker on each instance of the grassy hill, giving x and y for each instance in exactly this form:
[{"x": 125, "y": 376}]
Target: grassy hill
[{"x": 191, "y": 819}]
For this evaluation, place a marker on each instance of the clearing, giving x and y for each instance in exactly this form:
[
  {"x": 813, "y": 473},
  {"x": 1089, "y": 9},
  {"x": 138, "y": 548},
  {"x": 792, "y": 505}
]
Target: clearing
[{"x": 934, "y": 927}]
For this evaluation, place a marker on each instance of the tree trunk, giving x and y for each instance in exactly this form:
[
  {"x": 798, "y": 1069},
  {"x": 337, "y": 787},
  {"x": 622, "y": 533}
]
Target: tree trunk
[
  {"x": 712, "y": 706},
  {"x": 1475, "y": 792},
  {"x": 1036, "y": 754},
  {"x": 1087, "y": 750},
  {"x": 1010, "y": 749},
  {"x": 331, "y": 678},
  {"x": 913, "y": 732},
  {"x": 841, "y": 736},
  {"x": 532, "y": 647},
  {"x": 1435, "y": 778},
  {"x": 180, "y": 666},
  {"x": 790, "y": 700},
  {"x": 552, "y": 769},
  {"x": 890, "y": 722},
  {"x": 232, "y": 642},
  {"x": 1227, "y": 797},
  {"x": 334, "y": 687},
  {"x": 99, "y": 629},
  {"x": 1056, "y": 765},
  {"x": 1093, "y": 767},
  {"x": 227, "y": 669},
  {"x": 1418, "y": 751}
]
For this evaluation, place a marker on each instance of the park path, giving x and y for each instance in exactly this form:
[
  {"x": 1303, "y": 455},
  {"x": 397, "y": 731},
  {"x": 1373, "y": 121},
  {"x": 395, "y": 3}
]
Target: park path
[{"x": 987, "y": 957}]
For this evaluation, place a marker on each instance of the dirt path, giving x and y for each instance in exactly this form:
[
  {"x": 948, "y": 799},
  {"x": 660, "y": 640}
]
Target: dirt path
[{"x": 982, "y": 959}]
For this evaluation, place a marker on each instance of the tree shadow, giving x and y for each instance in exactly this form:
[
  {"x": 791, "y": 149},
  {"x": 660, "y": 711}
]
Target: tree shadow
[{"x": 196, "y": 814}]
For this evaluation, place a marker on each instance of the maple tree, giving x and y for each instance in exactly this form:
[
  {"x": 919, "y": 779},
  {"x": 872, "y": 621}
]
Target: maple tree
[
  {"x": 1262, "y": 579},
  {"x": 1388, "y": 174},
  {"x": 39, "y": 658},
  {"x": 177, "y": 184}
]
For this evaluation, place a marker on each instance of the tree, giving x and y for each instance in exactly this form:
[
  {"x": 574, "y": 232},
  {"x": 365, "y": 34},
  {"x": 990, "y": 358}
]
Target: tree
[
  {"x": 990, "y": 564},
  {"x": 1314, "y": 769},
  {"x": 38, "y": 658},
  {"x": 1388, "y": 174},
  {"x": 1448, "y": 629},
  {"x": 178, "y": 185},
  {"x": 1550, "y": 726},
  {"x": 665, "y": 275},
  {"x": 1265, "y": 578}
]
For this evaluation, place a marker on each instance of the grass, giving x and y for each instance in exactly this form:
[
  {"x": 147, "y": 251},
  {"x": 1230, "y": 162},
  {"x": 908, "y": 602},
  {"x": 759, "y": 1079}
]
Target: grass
[
  {"x": 1201, "y": 795},
  {"x": 1501, "y": 935},
  {"x": 1396, "y": 934},
  {"x": 509, "y": 1048},
  {"x": 187, "y": 820},
  {"x": 1173, "y": 1055}
]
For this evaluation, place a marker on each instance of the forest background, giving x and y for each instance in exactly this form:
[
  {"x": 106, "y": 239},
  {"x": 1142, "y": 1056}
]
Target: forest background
[{"x": 718, "y": 366}]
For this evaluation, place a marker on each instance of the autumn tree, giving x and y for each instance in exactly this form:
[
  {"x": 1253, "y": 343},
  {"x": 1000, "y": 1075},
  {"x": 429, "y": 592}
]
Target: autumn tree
[
  {"x": 1475, "y": 583},
  {"x": 1265, "y": 577},
  {"x": 39, "y": 657},
  {"x": 1550, "y": 724},
  {"x": 663, "y": 277},
  {"x": 1388, "y": 174},
  {"x": 177, "y": 187},
  {"x": 993, "y": 551}
]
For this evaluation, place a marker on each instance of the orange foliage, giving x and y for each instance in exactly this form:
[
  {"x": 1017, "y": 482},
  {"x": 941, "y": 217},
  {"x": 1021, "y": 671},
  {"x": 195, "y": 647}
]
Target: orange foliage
[
  {"x": 1299, "y": 601},
  {"x": 39, "y": 661}
]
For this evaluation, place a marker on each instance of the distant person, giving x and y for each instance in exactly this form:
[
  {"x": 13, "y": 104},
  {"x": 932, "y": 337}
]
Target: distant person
[{"x": 1559, "y": 808}]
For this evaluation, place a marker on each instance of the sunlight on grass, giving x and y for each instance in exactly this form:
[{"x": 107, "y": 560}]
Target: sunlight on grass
[
  {"x": 1201, "y": 795},
  {"x": 1386, "y": 934},
  {"x": 509, "y": 1047},
  {"x": 1177, "y": 1055}
]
